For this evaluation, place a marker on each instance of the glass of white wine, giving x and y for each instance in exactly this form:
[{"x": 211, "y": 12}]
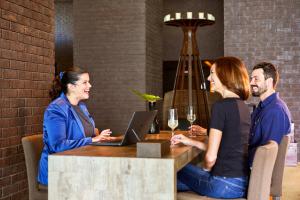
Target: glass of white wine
[
  {"x": 173, "y": 119},
  {"x": 191, "y": 117}
]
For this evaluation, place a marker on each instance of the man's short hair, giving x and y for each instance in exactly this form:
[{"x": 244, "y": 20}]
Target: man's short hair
[{"x": 270, "y": 71}]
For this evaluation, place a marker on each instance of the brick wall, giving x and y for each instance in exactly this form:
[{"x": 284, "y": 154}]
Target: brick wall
[
  {"x": 268, "y": 31},
  {"x": 110, "y": 42},
  {"x": 26, "y": 68},
  {"x": 63, "y": 34},
  {"x": 154, "y": 27}
]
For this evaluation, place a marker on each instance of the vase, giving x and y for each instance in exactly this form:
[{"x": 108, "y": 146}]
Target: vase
[{"x": 154, "y": 128}]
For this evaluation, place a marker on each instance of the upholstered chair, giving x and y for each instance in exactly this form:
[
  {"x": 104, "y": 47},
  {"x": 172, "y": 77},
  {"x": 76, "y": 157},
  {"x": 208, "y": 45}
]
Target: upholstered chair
[
  {"x": 33, "y": 146},
  {"x": 276, "y": 183},
  {"x": 260, "y": 178}
]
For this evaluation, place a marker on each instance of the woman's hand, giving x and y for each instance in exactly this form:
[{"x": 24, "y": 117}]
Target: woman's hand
[
  {"x": 105, "y": 132},
  {"x": 198, "y": 130},
  {"x": 103, "y": 136},
  {"x": 176, "y": 139}
]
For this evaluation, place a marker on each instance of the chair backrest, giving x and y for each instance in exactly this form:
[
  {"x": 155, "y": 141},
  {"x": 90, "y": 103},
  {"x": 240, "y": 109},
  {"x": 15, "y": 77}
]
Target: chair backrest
[
  {"x": 277, "y": 176},
  {"x": 261, "y": 173},
  {"x": 33, "y": 146}
]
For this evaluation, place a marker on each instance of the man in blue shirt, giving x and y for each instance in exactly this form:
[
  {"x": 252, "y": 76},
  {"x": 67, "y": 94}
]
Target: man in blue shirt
[{"x": 271, "y": 119}]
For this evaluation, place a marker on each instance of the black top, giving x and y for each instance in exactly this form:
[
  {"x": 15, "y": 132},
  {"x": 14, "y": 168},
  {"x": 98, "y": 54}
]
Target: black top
[
  {"x": 87, "y": 125},
  {"x": 232, "y": 117}
]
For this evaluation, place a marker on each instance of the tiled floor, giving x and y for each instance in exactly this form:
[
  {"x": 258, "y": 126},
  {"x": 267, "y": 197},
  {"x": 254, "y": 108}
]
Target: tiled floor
[{"x": 291, "y": 183}]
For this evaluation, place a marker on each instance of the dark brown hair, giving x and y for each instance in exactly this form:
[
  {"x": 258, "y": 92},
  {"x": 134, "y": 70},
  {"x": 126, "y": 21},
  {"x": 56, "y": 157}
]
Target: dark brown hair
[
  {"x": 61, "y": 81},
  {"x": 233, "y": 74},
  {"x": 270, "y": 71}
]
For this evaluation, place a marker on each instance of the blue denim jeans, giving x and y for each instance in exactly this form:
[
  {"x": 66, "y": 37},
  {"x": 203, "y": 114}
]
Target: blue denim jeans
[{"x": 202, "y": 182}]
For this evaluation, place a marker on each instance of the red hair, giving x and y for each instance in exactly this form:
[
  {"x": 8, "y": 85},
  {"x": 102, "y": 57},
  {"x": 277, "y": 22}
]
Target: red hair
[{"x": 233, "y": 74}]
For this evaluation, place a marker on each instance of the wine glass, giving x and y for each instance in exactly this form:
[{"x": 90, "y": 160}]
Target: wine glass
[
  {"x": 173, "y": 119},
  {"x": 191, "y": 117}
]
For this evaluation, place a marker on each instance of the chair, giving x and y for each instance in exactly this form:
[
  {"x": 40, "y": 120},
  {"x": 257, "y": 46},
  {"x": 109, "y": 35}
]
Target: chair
[
  {"x": 33, "y": 146},
  {"x": 260, "y": 178},
  {"x": 277, "y": 176}
]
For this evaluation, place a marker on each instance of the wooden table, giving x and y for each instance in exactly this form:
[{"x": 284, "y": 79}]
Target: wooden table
[{"x": 113, "y": 173}]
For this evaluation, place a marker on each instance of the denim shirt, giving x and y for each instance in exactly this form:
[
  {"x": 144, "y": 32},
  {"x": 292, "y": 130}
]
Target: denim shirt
[{"x": 271, "y": 120}]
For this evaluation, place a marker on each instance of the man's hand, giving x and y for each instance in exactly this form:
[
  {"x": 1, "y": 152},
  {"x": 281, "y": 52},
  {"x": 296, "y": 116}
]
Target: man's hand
[{"x": 198, "y": 130}]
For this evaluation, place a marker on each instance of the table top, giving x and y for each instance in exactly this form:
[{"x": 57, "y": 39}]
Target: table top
[
  {"x": 189, "y": 22},
  {"x": 130, "y": 151}
]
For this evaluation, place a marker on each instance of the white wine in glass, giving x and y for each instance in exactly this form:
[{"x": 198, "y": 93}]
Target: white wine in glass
[
  {"x": 191, "y": 117},
  {"x": 173, "y": 119}
]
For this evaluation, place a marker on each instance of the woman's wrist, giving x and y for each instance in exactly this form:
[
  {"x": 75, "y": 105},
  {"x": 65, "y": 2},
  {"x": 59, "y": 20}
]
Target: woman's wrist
[
  {"x": 200, "y": 145},
  {"x": 192, "y": 142},
  {"x": 95, "y": 139}
]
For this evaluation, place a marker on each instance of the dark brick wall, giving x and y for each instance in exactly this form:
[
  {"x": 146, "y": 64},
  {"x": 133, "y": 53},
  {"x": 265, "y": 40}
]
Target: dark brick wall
[
  {"x": 63, "y": 33},
  {"x": 268, "y": 31},
  {"x": 153, "y": 44},
  {"x": 26, "y": 68},
  {"x": 210, "y": 38},
  {"x": 154, "y": 27},
  {"x": 113, "y": 49}
]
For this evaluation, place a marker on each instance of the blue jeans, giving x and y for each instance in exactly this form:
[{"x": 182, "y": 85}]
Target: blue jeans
[{"x": 202, "y": 182}]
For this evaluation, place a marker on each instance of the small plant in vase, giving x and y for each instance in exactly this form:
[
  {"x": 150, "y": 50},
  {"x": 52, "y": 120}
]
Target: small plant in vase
[{"x": 151, "y": 99}]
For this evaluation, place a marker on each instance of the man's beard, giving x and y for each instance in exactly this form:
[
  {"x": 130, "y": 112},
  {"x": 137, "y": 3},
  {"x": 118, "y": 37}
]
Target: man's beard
[{"x": 259, "y": 92}]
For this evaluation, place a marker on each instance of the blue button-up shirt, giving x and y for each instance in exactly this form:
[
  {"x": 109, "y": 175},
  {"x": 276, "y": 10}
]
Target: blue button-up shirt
[{"x": 271, "y": 120}]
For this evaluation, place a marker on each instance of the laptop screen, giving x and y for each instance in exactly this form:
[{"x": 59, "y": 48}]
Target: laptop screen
[
  {"x": 138, "y": 126},
  {"x": 137, "y": 129}
]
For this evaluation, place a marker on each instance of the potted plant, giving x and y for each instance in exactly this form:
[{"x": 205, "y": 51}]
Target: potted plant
[{"x": 151, "y": 99}]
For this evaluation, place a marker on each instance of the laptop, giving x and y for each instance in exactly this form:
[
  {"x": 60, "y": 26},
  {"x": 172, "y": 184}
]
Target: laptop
[{"x": 137, "y": 129}]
